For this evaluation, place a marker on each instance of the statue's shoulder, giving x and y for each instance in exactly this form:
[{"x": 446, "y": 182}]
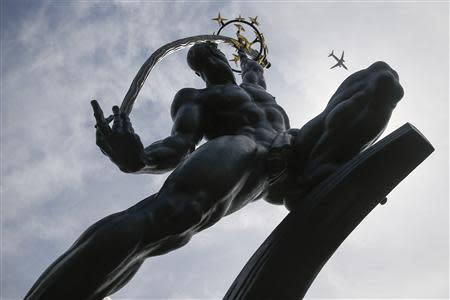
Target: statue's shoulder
[{"x": 185, "y": 96}]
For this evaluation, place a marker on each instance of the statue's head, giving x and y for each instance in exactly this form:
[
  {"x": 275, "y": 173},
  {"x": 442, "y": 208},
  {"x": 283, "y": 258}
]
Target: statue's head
[{"x": 208, "y": 62}]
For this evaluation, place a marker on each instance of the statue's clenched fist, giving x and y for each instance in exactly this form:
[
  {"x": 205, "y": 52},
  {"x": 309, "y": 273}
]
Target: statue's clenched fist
[{"x": 119, "y": 143}]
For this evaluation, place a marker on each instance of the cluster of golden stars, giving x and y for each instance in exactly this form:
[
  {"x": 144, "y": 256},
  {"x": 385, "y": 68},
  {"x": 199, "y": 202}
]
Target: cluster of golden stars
[
  {"x": 222, "y": 20},
  {"x": 242, "y": 42}
]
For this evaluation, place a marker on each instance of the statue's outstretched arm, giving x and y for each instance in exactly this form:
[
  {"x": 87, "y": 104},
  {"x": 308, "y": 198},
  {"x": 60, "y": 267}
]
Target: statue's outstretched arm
[
  {"x": 252, "y": 71},
  {"x": 125, "y": 148}
]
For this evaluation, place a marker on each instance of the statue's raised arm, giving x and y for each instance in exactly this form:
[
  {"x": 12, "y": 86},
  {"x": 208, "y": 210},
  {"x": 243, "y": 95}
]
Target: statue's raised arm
[
  {"x": 252, "y": 71},
  {"x": 124, "y": 147}
]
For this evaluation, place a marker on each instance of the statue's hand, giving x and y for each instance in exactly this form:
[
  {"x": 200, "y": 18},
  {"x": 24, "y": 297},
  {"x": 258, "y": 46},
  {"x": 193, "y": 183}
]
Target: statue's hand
[{"x": 119, "y": 143}]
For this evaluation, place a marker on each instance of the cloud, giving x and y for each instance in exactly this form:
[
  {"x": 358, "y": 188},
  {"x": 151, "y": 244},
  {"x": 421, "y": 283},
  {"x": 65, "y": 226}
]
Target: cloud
[{"x": 55, "y": 182}]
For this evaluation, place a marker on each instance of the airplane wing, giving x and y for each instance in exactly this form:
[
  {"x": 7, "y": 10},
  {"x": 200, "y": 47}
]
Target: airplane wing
[
  {"x": 342, "y": 56},
  {"x": 344, "y": 66},
  {"x": 335, "y": 66}
]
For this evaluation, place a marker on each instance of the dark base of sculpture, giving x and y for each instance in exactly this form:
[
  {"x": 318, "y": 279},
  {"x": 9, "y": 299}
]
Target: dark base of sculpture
[{"x": 286, "y": 264}]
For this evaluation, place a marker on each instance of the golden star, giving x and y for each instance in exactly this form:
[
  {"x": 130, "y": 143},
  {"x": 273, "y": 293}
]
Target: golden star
[
  {"x": 242, "y": 39},
  {"x": 219, "y": 19},
  {"x": 236, "y": 44},
  {"x": 254, "y": 20},
  {"x": 239, "y": 27},
  {"x": 262, "y": 37},
  {"x": 266, "y": 49},
  {"x": 240, "y": 19},
  {"x": 235, "y": 58},
  {"x": 248, "y": 45},
  {"x": 262, "y": 62}
]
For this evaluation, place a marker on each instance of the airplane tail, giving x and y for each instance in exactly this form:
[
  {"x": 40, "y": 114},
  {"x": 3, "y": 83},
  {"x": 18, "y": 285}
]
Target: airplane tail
[{"x": 331, "y": 54}]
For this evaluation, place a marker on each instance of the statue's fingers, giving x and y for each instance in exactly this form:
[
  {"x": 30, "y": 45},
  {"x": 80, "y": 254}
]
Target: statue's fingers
[
  {"x": 117, "y": 121},
  {"x": 103, "y": 128},
  {"x": 98, "y": 112},
  {"x": 102, "y": 124},
  {"x": 126, "y": 123},
  {"x": 116, "y": 110}
]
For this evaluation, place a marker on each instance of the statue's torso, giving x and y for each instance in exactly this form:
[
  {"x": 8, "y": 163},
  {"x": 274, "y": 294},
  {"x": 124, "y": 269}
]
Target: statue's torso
[{"x": 247, "y": 109}]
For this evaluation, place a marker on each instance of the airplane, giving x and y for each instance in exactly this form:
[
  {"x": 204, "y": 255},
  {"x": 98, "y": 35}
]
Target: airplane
[{"x": 340, "y": 61}]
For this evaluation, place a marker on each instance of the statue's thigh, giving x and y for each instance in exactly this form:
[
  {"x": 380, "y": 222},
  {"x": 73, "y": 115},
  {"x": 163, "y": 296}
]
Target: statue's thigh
[
  {"x": 216, "y": 170},
  {"x": 200, "y": 190}
]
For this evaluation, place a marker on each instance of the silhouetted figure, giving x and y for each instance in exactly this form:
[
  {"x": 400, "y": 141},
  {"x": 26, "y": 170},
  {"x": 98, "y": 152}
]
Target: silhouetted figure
[{"x": 250, "y": 153}]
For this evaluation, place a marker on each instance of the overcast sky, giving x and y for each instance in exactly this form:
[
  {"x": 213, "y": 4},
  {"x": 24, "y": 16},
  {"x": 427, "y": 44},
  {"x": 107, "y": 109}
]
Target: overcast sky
[{"x": 57, "y": 56}]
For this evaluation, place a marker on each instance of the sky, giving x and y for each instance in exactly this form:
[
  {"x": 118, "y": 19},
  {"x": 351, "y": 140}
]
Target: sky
[{"x": 58, "y": 55}]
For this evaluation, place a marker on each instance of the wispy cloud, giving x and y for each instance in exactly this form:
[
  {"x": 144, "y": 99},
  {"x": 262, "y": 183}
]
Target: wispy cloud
[{"x": 59, "y": 55}]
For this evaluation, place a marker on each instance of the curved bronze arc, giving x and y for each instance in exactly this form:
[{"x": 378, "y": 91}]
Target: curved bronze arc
[
  {"x": 288, "y": 261},
  {"x": 158, "y": 55}
]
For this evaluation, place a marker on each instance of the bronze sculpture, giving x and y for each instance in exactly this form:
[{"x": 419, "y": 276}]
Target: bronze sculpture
[
  {"x": 250, "y": 153},
  {"x": 254, "y": 151}
]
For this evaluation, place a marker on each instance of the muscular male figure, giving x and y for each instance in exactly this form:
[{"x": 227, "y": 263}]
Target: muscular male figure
[{"x": 250, "y": 153}]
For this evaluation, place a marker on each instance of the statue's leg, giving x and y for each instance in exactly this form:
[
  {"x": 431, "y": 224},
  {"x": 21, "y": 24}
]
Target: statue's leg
[
  {"x": 105, "y": 248},
  {"x": 196, "y": 195},
  {"x": 126, "y": 276},
  {"x": 355, "y": 117}
]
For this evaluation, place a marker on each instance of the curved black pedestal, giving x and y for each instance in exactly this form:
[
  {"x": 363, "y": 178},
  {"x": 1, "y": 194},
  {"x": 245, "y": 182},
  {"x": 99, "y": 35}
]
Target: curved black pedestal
[{"x": 288, "y": 261}]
